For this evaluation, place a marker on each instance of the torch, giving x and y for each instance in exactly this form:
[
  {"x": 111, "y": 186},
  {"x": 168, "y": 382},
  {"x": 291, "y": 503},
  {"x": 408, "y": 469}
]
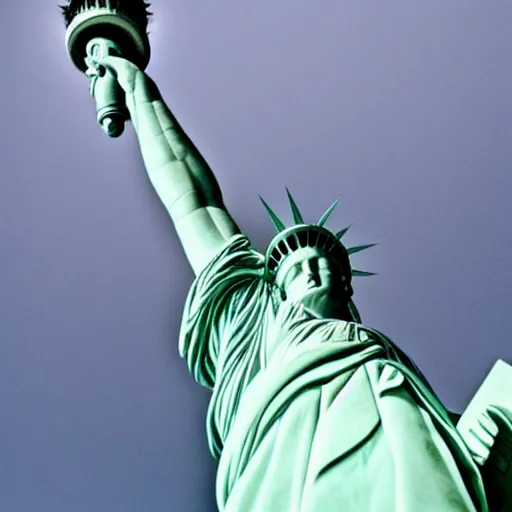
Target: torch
[{"x": 96, "y": 29}]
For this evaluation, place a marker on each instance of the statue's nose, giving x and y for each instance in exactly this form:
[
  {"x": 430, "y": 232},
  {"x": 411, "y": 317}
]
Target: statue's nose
[
  {"x": 307, "y": 268},
  {"x": 310, "y": 270}
]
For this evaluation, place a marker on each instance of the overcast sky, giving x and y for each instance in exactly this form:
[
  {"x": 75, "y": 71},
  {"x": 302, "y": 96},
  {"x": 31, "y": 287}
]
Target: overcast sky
[{"x": 402, "y": 108}]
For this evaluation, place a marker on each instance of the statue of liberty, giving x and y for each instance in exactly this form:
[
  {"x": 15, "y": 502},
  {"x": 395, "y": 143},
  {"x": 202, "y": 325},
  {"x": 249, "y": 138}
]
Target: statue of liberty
[{"x": 310, "y": 409}]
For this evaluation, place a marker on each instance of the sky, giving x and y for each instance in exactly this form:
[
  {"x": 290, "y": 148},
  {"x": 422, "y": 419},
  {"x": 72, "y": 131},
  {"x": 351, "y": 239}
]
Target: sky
[{"x": 400, "y": 108}]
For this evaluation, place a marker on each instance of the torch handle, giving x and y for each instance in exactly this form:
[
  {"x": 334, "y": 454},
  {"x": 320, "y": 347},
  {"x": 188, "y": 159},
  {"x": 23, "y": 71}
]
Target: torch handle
[{"x": 110, "y": 99}]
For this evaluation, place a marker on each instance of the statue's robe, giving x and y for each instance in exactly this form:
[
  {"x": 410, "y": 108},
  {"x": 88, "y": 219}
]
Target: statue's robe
[{"x": 311, "y": 415}]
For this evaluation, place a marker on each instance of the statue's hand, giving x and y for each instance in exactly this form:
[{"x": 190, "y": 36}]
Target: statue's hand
[
  {"x": 480, "y": 436},
  {"x": 137, "y": 85}
]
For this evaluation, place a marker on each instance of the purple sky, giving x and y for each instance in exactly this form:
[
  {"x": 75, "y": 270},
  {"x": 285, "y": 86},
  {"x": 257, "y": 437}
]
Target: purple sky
[{"x": 401, "y": 108}]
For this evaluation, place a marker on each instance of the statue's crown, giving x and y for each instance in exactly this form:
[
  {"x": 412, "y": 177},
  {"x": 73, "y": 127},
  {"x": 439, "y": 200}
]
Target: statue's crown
[{"x": 303, "y": 235}]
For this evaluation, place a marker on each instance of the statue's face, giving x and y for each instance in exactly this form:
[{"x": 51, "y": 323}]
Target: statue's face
[{"x": 310, "y": 277}]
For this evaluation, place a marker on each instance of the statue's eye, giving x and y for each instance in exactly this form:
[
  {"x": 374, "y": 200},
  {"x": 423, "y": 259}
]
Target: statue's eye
[
  {"x": 291, "y": 274},
  {"x": 323, "y": 264}
]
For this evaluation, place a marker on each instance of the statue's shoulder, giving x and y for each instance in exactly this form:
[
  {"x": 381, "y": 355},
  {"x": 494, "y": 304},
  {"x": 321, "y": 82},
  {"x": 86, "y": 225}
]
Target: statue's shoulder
[
  {"x": 230, "y": 281},
  {"x": 235, "y": 248},
  {"x": 236, "y": 261}
]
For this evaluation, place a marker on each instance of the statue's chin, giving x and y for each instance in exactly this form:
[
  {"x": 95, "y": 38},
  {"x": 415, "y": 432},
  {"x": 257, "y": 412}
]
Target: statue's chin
[{"x": 321, "y": 302}]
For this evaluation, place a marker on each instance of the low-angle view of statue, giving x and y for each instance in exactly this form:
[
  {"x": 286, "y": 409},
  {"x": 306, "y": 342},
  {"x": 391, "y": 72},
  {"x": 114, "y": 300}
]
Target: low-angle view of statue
[{"x": 311, "y": 410}]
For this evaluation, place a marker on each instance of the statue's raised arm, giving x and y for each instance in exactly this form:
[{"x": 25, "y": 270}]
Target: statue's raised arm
[{"x": 180, "y": 175}]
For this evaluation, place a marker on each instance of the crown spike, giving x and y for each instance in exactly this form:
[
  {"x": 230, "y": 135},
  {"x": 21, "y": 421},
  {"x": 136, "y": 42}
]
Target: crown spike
[
  {"x": 362, "y": 273},
  {"x": 327, "y": 213},
  {"x": 359, "y": 248},
  {"x": 278, "y": 223},
  {"x": 297, "y": 216},
  {"x": 339, "y": 234}
]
